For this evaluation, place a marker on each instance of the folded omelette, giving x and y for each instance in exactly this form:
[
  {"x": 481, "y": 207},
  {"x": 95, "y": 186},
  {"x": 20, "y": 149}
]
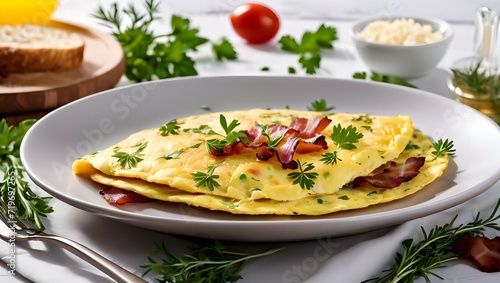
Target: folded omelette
[{"x": 277, "y": 161}]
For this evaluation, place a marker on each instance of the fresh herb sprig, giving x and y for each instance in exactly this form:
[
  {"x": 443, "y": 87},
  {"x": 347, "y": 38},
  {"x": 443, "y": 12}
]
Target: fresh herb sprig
[
  {"x": 207, "y": 179},
  {"x": 229, "y": 135},
  {"x": 304, "y": 178},
  {"x": 207, "y": 262},
  {"x": 376, "y": 77},
  {"x": 170, "y": 128},
  {"x": 343, "y": 138},
  {"x": 320, "y": 106},
  {"x": 14, "y": 189},
  {"x": 434, "y": 250},
  {"x": 150, "y": 56},
  {"x": 443, "y": 147},
  {"x": 272, "y": 140},
  {"x": 310, "y": 46},
  {"x": 130, "y": 159}
]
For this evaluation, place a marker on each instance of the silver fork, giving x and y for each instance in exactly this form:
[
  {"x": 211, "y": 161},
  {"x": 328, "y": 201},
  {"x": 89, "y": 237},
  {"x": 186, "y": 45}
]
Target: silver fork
[{"x": 24, "y": 233}]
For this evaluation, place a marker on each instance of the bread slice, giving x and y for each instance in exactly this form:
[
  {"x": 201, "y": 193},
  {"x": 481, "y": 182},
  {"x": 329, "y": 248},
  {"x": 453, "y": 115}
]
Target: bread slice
[{"x": 32, "y": 48}]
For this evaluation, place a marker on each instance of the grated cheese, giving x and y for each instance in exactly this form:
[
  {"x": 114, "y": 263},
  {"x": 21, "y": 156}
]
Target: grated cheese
[{"x": 399, "y": 32}]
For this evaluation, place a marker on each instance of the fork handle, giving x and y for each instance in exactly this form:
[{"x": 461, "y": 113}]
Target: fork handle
[{"x": 113, "y": 270}]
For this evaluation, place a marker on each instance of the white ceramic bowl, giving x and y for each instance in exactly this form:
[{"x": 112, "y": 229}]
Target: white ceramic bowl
[{"x": 406, "y": 61}]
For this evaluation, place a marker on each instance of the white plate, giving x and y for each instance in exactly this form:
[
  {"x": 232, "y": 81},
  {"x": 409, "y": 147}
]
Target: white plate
[{"x": 100, "y": 120}]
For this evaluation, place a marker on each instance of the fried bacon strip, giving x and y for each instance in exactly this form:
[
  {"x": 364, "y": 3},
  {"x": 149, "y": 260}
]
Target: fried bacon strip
[
  {"x": 481, "y": 251},
  {"x": 302, "y": 136},
  {"x": 119, "y": 196},
  {"x": 392, "y": 174}
]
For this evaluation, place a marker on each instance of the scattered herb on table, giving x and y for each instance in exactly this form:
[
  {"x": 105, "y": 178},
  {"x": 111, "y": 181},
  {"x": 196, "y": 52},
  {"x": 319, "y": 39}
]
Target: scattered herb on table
[
  {"x": 310, "y": 46},
  {"x": 376, "y": 77},
  {"x": 207, "y": 262},
  {"x": 149, "y": 56},
  {"x": 436, "y": 248},
  {"x": 14, "y": 189}
]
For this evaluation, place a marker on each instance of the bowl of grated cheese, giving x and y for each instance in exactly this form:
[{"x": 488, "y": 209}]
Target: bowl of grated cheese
[{"x": 404, "y": 47}]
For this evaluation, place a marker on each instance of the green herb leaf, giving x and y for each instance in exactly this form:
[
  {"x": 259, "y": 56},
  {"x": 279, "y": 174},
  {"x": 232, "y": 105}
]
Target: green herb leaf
[
  {"x": 172, "y": 155},
  {"x": 27, "y": 204},
  {"x": 320, "y": 106},
  {"x": 343, "y": 138},
  {"x": 149, "y": 56},
  {"x": 304, "y": 178},
  {"x": 207, "y": 262},
  {"x": 272, "y": 141},
  {"x": 435, "y": 249},
  {"x": 310, "y": 46},
  {"x": 390, "y": 79},
  {"x": 443, "y": 147},
  {"x": 170, "y": 128},
  {"x": 224, "y": 50},
  {"x": 126, "y": 159},
  {"x": 206, "y": 179},
  {"x": 359, "y": 75}
]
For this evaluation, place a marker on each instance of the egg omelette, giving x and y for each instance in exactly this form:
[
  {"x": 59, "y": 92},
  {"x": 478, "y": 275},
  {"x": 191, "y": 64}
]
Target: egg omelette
[
  {"x": 346, "y": 198},
  {"x": 170, "y": 158}
]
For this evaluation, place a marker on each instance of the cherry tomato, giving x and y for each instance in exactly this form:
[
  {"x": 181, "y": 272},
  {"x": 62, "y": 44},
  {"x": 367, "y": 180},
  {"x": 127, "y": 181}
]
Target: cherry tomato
[{"x": 255, "y": 23}]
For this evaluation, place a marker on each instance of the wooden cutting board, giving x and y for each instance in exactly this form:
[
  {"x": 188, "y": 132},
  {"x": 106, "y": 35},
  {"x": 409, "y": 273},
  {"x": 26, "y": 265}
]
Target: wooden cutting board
[{"x": 32, "y": 95}]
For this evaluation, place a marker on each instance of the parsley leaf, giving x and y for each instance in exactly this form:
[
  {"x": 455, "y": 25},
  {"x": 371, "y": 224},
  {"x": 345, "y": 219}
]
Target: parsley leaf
[
  {"x": 443, "y": 147},
  {"x": 149, "y": 56},
  {"x": 224, "y": 50},
  {"x": 310, "y": 46},
  {"x": 172, "y": 155},
  {"x": 170, "y": 128},
  {"x": 304, "y": 178},
  {"x": 376, "y": 77},
  {"x": 206, "y": 179},
  {"x": 126, "y": 159},
  {"x": 272, "y": 141},
  {"x": 320, "y": 106},
  {"x": 343, "y": 138}
]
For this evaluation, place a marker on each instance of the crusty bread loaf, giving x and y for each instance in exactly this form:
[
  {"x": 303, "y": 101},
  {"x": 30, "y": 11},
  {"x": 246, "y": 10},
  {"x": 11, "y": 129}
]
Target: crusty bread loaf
[{"x": 31, "y": 48}]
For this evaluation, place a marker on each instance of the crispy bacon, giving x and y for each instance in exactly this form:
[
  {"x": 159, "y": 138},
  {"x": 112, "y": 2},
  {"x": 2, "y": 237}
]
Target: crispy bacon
[
  {"x": 120, "y": 196},
  {"x": 481, "y": 251},
  {"x": 301, "y": 137},
  {"x": 392, "y": 174}
]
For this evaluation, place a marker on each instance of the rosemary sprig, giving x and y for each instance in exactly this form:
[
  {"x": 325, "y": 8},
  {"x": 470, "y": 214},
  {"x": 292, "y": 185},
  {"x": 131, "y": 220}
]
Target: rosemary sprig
[
  {"x": 14, "y": 189},
  {"x": 434, "y": 250},
  {"x": 207, "y": 262}
]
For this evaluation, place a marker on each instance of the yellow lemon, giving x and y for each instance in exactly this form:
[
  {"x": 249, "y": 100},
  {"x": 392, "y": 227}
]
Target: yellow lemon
[{"x": 36, "y": 12}]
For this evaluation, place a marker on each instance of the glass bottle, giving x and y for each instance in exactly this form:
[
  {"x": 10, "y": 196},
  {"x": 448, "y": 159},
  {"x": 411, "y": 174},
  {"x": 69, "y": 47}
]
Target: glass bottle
[{"x": 475, "y": 80}]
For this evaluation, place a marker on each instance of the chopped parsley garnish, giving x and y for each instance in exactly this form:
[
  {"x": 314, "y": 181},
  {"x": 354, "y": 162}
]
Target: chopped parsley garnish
[
  {"x": 363, "y": 118},
  {"x": 206, "y": 179},
  {"x": 344, "y": 197},
  {"x": 202, "y": 129},
  {"x": 304, "y": 178},
  {"x": 343, "y": 138},
  {"x": 170, "y": 128},
  {"x": 320, "y": 106},
  {"x": 443, "y": 147},
  {"x": 273, "y": 142},
  {"x": 173, "y": 155},
  {"x": 229, "y": 135},
  {"x": 126, "y": 159}
]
